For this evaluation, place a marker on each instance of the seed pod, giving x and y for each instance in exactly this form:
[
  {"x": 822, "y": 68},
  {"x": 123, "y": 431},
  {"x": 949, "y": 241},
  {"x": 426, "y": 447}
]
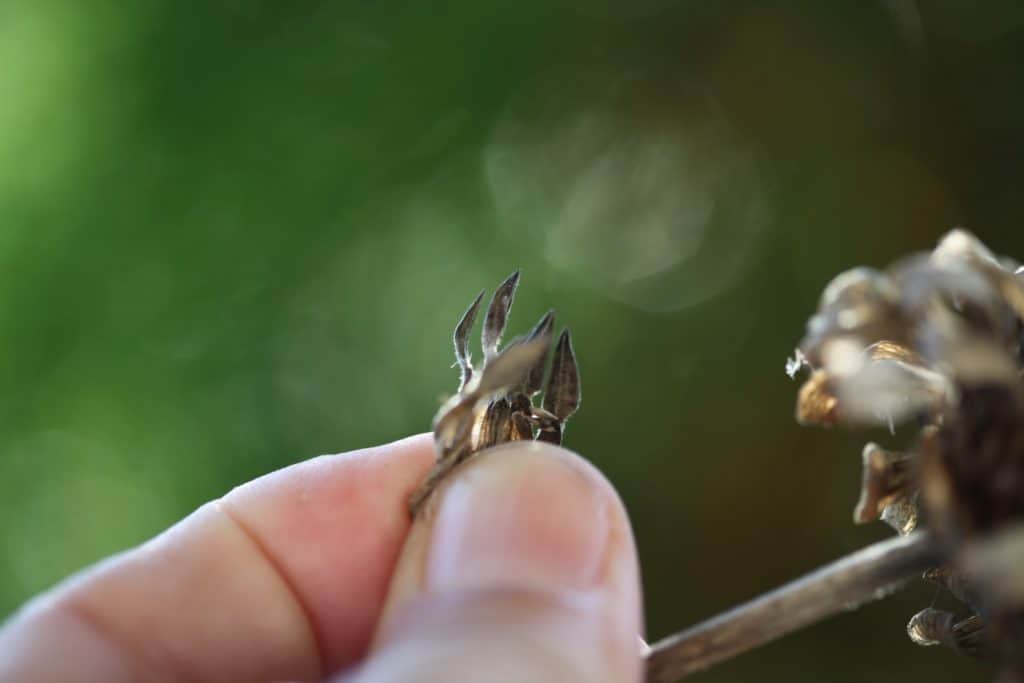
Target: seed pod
[
  {"x": 460, "y": 338},
  {"x": 494, "y": 403},
  {"x": 562, "y": 396},
  {"x": 497, "y": 315},
  {"x": 535, "y": 377}
]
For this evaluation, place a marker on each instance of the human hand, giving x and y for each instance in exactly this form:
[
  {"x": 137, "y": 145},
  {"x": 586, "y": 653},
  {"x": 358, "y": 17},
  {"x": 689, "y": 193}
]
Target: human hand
[{"x": 522, "y": 569}]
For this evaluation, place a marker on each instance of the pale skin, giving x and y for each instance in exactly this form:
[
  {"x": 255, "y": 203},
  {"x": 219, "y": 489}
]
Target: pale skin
[{"x": 521, "y": 568}]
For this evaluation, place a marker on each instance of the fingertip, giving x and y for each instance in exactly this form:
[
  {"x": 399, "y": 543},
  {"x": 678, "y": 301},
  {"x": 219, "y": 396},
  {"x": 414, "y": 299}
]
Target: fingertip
[{"x": 522, "y": 524}]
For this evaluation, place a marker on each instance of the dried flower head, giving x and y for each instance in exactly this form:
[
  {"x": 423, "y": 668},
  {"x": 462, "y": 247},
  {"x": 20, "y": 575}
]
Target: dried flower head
[
  {"x": 935, "y": 340},
  {"x": 495, "y": 402}
]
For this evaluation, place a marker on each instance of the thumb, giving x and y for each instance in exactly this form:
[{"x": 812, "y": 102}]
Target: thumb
[{"x": 521, "y": 568}]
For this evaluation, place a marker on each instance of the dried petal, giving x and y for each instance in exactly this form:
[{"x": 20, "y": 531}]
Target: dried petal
[
  {"x": 961, "y": 248},
  {"x": 887, "y": 350},
  {"x": 887, "y": 477},
  {"x": 884, "y": 392},
  {"x": 463, "y": 357},
  {"x": 562, "y": 396},
  {"x": 535, "y": 377},
  {"x": 861, "y": 302},
  {"x": 816, "y": 403},
  {"x": 497, "y": 314}
]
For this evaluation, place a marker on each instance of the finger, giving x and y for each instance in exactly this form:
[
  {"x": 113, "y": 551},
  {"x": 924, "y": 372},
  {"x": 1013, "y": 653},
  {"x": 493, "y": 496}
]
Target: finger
[
  {"x": 523, "y": 568},
  {"x": 283, "y": 578}
]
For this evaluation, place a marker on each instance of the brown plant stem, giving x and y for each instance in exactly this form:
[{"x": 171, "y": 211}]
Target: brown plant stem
[{"x": 865, "y": 575}]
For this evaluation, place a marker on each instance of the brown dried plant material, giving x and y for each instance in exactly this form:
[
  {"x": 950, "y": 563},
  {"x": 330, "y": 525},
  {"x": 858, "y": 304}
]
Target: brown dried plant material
[
  {"x": 888, "y": 478},
  {"x": 817, "y": 404},
  {"x": 970, "y": 636},
  {"x": 936, "y": 339},
  {"x": 494, "y": 403}
]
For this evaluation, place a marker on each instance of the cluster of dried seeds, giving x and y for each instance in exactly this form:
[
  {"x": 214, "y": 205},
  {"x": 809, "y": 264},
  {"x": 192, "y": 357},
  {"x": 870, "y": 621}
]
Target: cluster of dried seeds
[
  {"x": 936, "y": 340},
  {"x": 495, "y": 402}
]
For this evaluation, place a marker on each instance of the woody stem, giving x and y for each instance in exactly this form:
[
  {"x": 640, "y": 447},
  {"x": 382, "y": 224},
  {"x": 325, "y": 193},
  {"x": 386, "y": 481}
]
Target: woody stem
[{"x": 865, "y": 575}]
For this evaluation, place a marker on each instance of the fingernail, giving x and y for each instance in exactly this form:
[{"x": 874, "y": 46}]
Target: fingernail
[{"x": 521, "y": 518}]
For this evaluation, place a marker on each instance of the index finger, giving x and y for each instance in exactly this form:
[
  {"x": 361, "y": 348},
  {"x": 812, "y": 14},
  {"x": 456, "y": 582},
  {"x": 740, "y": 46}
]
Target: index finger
[{"x": 283, "y": 578}]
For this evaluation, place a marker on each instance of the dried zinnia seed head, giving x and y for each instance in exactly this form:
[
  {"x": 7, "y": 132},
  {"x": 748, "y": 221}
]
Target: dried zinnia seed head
[
  {"x": 494, "y": 403},
  {"x": 936, "y": 340}
]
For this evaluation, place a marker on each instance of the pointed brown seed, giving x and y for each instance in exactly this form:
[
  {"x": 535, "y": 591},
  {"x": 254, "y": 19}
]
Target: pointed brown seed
[
  {"x": 522, "y": 430},
  {"x": 549, "y": 427},
  {"x": 497, "y": 314},
  {"x": 535, "y": 377},
  {"x": 461, "y": 340},
  {"x": 494, "y": 426},
  {"x": 562, "y": 396}
]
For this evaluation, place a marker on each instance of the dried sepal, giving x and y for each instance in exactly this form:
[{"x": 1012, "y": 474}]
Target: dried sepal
[
  {"x": 877, "y": 385},
  {"x": 562, "y": 396},
  {"x": 460, "y": 339},
  {"x": 497, "y": 315},
  {"x": 959, "y": 247},
  {"x": 887, "y": 476}
]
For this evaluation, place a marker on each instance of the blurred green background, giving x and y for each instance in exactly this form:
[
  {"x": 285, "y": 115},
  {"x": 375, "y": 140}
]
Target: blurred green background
[{"x": 234, "y": 235}]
